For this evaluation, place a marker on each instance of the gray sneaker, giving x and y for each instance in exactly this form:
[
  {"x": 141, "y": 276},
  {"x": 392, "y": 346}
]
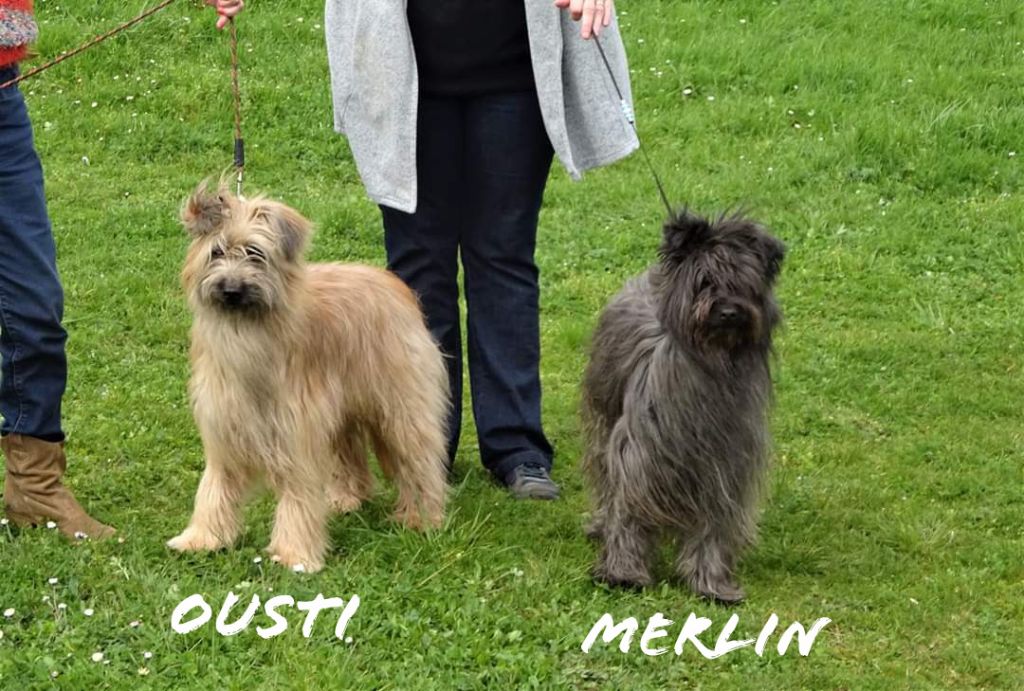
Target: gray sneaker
[{"x": 529, "y": 481}]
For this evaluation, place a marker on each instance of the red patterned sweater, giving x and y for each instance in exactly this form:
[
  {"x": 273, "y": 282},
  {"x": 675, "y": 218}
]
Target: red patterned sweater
[{"x": 17, "y": 30}]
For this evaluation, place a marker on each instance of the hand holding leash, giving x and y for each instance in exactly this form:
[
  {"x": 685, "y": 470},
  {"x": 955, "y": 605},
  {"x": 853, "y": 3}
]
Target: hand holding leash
[
  {"x": 227, "y": 9},
  {"x": 594, "y": 14}
]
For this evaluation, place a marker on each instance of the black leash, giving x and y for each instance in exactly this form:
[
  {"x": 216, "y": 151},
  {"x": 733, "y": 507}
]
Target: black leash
[{"x": 627, "y": 110}]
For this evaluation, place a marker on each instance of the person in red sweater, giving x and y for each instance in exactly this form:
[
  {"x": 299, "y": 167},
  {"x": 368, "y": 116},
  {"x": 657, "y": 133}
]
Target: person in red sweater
[{"x": 33, "y": 365}]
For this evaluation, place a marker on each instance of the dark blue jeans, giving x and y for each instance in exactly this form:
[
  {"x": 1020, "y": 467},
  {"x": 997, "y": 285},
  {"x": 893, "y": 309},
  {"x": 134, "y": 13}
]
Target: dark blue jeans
[
  {"x": 34, "y": 367},
  {"x": 482, "y": 165}
]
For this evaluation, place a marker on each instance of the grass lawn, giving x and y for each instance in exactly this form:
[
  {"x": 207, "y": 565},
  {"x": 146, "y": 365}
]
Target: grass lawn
[{"x": 883, "y": 140}]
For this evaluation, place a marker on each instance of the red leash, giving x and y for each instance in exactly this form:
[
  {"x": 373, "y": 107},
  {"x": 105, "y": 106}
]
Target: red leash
[
  {"x": 236, "y": 91},
  {"x": 85, "y": 46}
]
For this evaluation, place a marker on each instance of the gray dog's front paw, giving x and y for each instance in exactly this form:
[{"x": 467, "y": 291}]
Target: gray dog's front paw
[
  {"x": 619, "y": 577},
  {"x": 727, "y": 592}
]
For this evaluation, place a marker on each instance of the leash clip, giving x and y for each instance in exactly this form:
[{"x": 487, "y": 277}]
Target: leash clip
[{"x": 628, "y": 111}]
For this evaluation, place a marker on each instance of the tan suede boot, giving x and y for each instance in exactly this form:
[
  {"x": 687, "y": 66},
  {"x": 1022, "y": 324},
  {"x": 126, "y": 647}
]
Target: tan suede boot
[{"x": 34, "y": 494}]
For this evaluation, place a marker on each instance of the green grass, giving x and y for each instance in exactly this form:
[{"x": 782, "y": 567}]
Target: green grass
[{"x": 897, "y": 497}]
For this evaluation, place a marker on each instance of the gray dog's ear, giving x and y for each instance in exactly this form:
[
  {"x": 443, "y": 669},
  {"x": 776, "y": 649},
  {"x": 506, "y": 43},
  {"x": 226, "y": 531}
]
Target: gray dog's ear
[
  {"x": 682, "y": 234},
  {"x": 292, "y": 228},
  {"x": 774, "y": 252},
  {"x": 204, "y": 211}
]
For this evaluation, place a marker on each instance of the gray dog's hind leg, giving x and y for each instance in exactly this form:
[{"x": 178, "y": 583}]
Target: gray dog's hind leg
[
  {"x": 625, "y": 552},
  {"x": 627, "y": 542},
  {"x": 595, "y": 526}
]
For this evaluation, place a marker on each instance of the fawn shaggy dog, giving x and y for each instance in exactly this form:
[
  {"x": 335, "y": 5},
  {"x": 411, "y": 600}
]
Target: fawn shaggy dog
[
  {"x": 675, "y": 402},
  {"x": 295, "y": 367}
]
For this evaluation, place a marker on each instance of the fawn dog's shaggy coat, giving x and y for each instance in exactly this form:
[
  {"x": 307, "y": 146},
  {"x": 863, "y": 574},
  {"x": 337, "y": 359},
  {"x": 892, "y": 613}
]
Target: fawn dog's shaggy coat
[{"x": 295, "y": 368}]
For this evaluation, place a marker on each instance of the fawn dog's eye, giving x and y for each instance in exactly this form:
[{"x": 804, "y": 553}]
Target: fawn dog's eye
[
  {"x": 255, "y": 253},
  {"x": 217, "y": 252}
]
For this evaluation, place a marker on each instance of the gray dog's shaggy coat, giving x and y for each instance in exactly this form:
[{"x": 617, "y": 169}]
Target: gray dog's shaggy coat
[{"x": 675, "y": 402}]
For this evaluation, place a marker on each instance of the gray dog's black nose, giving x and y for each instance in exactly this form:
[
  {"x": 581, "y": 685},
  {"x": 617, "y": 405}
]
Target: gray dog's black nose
[{"x": 729, "y": 314}]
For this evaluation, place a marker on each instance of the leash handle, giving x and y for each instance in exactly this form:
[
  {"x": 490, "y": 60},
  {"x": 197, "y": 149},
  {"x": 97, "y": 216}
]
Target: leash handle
[
  {"x": 85, "y": 46},
  {"x": 630, "y": 115}
]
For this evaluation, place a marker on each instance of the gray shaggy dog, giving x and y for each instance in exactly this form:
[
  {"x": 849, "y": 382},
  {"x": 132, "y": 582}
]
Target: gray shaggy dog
[{"x": 675, "y": 403}]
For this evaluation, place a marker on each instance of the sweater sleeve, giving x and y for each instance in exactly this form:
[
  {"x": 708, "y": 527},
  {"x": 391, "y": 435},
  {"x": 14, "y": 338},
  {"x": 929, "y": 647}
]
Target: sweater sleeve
[{"x": 17, "y": 30}]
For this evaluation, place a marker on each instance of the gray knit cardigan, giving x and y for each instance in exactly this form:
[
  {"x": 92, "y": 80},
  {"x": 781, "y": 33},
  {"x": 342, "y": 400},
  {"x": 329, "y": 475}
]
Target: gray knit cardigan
[{"x": 376, "y": 92}]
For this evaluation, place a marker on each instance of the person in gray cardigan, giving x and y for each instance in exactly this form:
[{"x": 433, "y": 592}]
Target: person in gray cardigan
[{"x": 453, "y": 111}]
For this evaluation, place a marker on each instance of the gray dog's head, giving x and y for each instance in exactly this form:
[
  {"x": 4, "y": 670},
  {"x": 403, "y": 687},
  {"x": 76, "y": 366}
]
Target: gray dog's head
[{"x": 716, "y": 280}]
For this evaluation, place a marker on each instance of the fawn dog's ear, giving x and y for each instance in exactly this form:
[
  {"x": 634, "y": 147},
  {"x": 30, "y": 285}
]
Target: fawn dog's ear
[
  {"x": 205, "y": 210},
  {"x": 292, "y": 229}
]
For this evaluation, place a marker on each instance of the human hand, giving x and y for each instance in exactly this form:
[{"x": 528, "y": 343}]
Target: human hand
[
  {"x": 595, "y": 14},
  {"x": 227, "y": 9}
]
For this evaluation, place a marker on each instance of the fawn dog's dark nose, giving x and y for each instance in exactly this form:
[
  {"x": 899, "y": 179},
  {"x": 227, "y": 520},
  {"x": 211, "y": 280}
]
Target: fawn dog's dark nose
[{"x": 230, "y": 293}]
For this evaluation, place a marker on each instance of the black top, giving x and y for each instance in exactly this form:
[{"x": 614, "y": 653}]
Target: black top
[{"x": 467, "y": 47}]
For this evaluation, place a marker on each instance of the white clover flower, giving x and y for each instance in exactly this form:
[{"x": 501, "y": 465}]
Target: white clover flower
[
  {"x": 9, "y": 612},
  {"x": 257, "y": 560},
  {"x": 54, "y": 674},
  {"x": 51, "y": 525},
  {"x": 61, "y": 606},
  {"x": 4, "y": 521},
  {"x": 97, "y": 657},
  {"x": 135, "y": 624},
  {"x": 79, "y": 535},
  {"x": 143, "y": 671},
  {"x": 299, "y": 568},
  {"x": 147, "y": 655},
  {"x": 52, "y": 581},
  {"x": 88, "y": 612}
]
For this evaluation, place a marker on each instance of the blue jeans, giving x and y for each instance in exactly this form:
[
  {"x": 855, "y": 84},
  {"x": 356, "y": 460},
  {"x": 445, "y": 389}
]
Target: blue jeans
[
  {"x": 482, "y": 164},
  {"x": 34, "y": 366}
]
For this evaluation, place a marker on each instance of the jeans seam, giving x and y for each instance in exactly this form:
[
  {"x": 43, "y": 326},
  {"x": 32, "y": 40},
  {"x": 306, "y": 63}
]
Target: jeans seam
[{"x": 15, "y": 352}]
